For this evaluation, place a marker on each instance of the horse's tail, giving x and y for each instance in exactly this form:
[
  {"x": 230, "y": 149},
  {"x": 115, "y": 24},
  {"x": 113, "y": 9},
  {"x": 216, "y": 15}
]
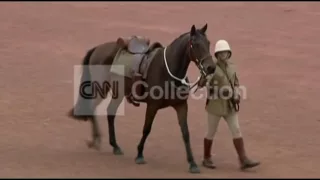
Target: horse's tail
[{"x": 83, "y": 105}]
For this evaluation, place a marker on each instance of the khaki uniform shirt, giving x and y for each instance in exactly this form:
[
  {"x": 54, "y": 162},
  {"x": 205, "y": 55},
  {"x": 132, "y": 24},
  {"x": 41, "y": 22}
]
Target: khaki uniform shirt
[{"x": 217, "y": 105}]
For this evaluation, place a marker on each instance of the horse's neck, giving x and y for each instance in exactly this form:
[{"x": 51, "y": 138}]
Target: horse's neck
[{"x": 177, "y": 57}]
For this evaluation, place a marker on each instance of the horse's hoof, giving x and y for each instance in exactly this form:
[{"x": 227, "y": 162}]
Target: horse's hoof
[
  {"x": 208, "y": 164},
  {"x": 194, "y": 169},
  {"x": 140, "y": 160},
  {"x": 248, "y": 165},
  {"x": 136, "y": 104},
  {"x": 93, "y": 145},
  {"x": 117, "y": 151}
]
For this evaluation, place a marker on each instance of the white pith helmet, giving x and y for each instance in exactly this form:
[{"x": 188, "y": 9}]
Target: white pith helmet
[{"x": 222, "y": 45}]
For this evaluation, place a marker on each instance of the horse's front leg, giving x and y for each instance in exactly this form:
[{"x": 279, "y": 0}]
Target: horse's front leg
[
  {"x": 182, "y": 112},
  {"x": 149, "y": 117},
  {"x": 112, "y": 111}
]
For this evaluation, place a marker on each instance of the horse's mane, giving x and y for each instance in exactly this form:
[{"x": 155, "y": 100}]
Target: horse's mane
[{"x": 188, "y": 33}]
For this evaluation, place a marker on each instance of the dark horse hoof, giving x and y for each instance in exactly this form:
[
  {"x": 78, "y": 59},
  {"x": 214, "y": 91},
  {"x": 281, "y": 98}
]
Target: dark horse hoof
[
  {"x": 117, "y": 151},
  {"x": 208, "y": 164},
  {"x": 95, "y": 144},
  {"x": 132, "y": 101},
  {"x": 194, "y": 169},
  {"x": 248, "y": 165},
  {"x": 140, "y": 160},
  {"x": 136, "y": 104}
]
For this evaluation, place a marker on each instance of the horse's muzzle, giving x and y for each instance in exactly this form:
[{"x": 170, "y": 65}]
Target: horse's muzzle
[{"x": 210, "y": 69}]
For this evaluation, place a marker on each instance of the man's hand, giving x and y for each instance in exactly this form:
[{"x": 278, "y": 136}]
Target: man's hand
[
  {"x": 202, "y": 82},
  {"x": 205, "y": 80}
]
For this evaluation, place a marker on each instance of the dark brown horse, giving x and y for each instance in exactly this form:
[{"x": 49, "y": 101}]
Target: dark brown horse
[{"x": 168, "y": 67}]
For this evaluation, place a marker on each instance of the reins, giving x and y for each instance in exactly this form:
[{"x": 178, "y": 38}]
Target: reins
[
  {"x": 183, "y": 80},
  {"x": 197, "y": 62}
]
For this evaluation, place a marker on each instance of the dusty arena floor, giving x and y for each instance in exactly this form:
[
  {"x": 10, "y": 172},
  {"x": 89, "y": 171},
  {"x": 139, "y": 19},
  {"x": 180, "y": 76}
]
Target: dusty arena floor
[{"x": 276, "y": 49}]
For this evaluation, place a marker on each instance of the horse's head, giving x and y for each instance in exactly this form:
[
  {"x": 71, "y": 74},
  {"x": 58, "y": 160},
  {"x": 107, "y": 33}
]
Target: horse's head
[{"x": 199, "y": 51}]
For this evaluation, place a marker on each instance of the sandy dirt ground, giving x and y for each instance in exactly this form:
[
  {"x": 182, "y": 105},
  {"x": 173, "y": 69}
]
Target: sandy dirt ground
[{"x": 275, "y": 47}]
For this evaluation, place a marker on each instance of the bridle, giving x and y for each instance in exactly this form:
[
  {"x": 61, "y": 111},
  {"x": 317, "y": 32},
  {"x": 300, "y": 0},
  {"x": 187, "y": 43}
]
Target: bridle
[
  {"x": 197, "y": 61},
  {"x": 193, "y": 58}
]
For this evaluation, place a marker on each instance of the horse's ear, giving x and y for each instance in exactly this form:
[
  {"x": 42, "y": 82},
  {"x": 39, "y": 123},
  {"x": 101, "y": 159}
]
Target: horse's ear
[
  {"x": 193, "y": 30},
  {"x": 204, "y": 28}
]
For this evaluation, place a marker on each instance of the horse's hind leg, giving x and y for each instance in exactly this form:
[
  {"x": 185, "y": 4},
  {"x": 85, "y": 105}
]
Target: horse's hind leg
[
  {"x": 95, "y": 130},
  {"x": 112, "y": 110},
  {"x": 99, "y": 75},
  {"x": 96, "y": 136}
]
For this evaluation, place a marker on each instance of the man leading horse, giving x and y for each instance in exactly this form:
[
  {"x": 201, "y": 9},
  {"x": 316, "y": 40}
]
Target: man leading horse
[
  {"x": 163, "y": 66},
  {"x": 223, "y": 102}
]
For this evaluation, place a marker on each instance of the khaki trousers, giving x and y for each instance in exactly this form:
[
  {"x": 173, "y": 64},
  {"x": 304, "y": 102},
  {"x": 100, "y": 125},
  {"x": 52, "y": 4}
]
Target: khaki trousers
[{"x": 232, "y": 121}]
